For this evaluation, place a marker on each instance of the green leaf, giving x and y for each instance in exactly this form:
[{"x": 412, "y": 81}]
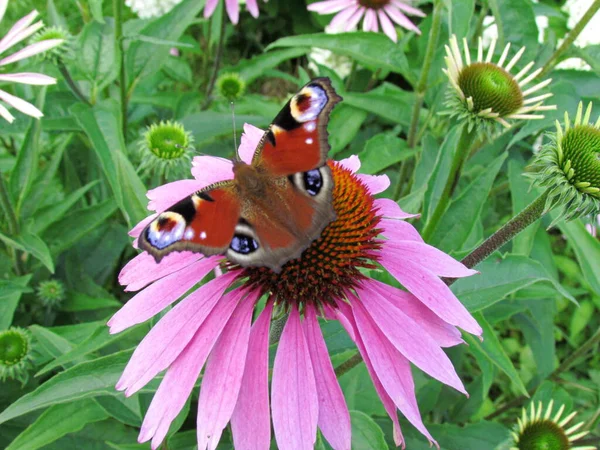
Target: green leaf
[
  {"x": 460, "y": 13},
  {"x": 521, "y": 196},
  {"x": 251, "y": 69},
  {"x": 96, "y": 10},
  {"x": 208, "y": 125},
  {"x": 97, "y": 54},
  {"x": 56, "y": 422},
  {"x": 157, "y": 41},
  {"x": 492, "y": 349},
  {"x": 77, "y": 301},
  {"x": 366, "y": 434},
  {"x": 462, "y": 216},
  {"x": 10, "y": 294},
  {"x": 500, "y": 278},
  {"x": 510, "y": 12},
  {"x": 479, "y": 436},
  {"x": 53, "y": 344},
  {"x": 382, "y": 151},
  {"x": 386, "y": 101},
  {"x": 587, "y": 251},
  {"x": 88, "y": 379},
  {"x": 31, "y": 243},
  {"x": 125, "y": 409},
  {"x": 372, "y": 50},
  {"x": 344, "y": 124}
]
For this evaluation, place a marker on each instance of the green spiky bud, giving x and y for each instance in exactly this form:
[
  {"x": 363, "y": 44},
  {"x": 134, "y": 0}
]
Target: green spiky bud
[
  {"x": 15, "y": 354},
  {"x": 231, "y": 86},
  {"x": 62, "y": 51},
  {"x": 51, "y": 293},
  {"x": 166, "y": 148}
]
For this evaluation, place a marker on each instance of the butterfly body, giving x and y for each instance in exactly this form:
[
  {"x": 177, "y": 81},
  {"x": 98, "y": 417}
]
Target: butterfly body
[{"x": 274, "y": 207}]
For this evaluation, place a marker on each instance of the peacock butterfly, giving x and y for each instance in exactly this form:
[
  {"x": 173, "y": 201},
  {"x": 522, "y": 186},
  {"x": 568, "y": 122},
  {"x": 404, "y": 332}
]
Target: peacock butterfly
[{"x": 274, "y": 207}]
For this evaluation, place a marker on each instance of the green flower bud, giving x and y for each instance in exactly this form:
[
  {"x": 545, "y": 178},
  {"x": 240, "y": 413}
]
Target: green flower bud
[
  {"x": 166, "y": 148},
  {"x": 231, "y": 86},
  {"x": 60, "y": 52},
  {"x": 51, "y": 293},
  {"x": 15, "y": 354}
]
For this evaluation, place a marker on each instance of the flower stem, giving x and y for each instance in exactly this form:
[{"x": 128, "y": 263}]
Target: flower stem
[
  {"x": 514, "y": 226},
  {"x": 577, "y": 29},
  {"x": 216, "y": 64},
  {"x": 350, "y": 363},
  {"x": 118, "y": 14},
  {"x": 71, "y": 83},
  {"x": 461, "y": 153},
  {"x": 421, "y": 87}
]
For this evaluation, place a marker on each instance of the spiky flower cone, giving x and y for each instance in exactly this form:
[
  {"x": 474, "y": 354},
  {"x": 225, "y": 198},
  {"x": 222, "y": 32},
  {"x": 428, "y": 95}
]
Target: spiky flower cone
[
  {"x": 15, "y": 354},
  {"x": 165, "y": 149}
]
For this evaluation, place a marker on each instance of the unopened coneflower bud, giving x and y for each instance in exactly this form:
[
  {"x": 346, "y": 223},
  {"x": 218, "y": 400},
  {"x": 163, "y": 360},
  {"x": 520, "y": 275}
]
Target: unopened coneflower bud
[
  {"x": 166, "y": 149},
  {"x": 231, "y": 86},
  {"x": 51, "y": 293},
  {"x": 15, "y": 354},
  {"x": 60, "y": 52}
]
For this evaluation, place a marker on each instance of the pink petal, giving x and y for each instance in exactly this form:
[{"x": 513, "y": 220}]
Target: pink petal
[
  {"x": 30, "y": 50},
  {"x": 399, "y": 230},
  {"x": 354, "y": 19},
  {"x": 252, "y": 7},
  {"x": 165, "y": 342},
  {"x": 36, "y": 79},
  {"x": 143, "y": 269},
  {"x": 434, "y": 293},
  {"x": 351, "y": 163},
  {"x": 329, "y": 6},
  {"x": 233, "y": 10},
  {"x": 393, "y": 370},
  {"x": 408, "y": 9},
  {"x": 340, "y": 19},
  {"x": 223, "y": 375},
  {"x": 159, "y": 295},
  {"x": 165, "y": 196},
  {"x": 386, "y": 400},
  {"x": 211, "y": 169},
  {"x": 390, "y": 209},
  {"x": 137, "y": 230},
  {"x": 425, "y": 255},
  {"x": 400, "y": 18},
  {"x": 3, "y": 5},
  {"x": 250, "y": 139},
  {"x": 210, "y": 7},
  {"x": 334, "y": 418},
  {"x": 6, "y": 114},
  {"x": 9, "y": 38},
  {"x": 409, "y": 339},
  {"x": 181, "y": 376},
  {"x": 21, "y": 105},
  {"x": 387, "y": 26},
  {"x": 444, "y": 334},
  {"x": 295, "y": 404},
  {"x": 370, "y": 22},
  {"x": 375, "y": 183},
  {"x": 251, "y": 419}
]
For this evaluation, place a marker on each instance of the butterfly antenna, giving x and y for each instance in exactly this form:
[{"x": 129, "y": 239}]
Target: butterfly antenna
[{"x": 235, "y": 145}]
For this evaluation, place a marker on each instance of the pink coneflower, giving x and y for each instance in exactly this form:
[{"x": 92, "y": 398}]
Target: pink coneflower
[
  {"x": 375, "y": 12},
  {"x": 233, "y": 9},
  {"x": 213, "y": 326},
  {"x": 20, "y": 31}
]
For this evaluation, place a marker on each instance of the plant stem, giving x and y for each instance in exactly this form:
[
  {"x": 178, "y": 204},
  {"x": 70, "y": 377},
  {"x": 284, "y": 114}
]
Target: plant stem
[
  {"x": 461, "y": 153},
  {"x": 71, "y": 83},
  {"x": 577, "y": 29},
  {"x": 9, "y": 211},
  {"x": 514, "y": 226},
  {"x": 118, "y": 13},
  {"x": 422, "y": 83},
  {"x": 350, "y": 363},
  {"x": 216, "y": 64}
]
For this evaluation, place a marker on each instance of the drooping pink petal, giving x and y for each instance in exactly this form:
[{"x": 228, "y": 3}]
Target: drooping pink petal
[
  {"x": 399, "y": 230},
  {"x": 30, "y": 50},
  {"x": 393, "y": 369},
  {"x": 165, "y": 196},
  {"x": 171, "y": 334},
  {"x": 210, "y": 169},
  {"x": 407, "y": 337},
  {"x": 434, "y": 293},
  {"x": 223, "y": 375},
  {"x": 445, "y": 335},
  {"x": 390, "y": 209},
  {"x": 329, "y": 6},
  {"x": 249, "y": 141},
  {"x": 334, "y": 418},
  {"x": 408, "y": 9},
  {"x": 400, "y": 18},
  {"x": 252, "y": 7},
  {"x": 143, "y": 269},
  {"x": 9, "y": 38},
  {"x": 233, "y": 10},
  {"x": 35, "y": 79},
  {"x": 21, "y": 105},
  {"x": 210, "y": 7},
  {"x": 181, "y": 376},
  {"x": 160, "y": 294},
  {"x": 426, "y": 256},
  {"x": 295, "y": 405},
  {"x": 370, "y": 22},
  {"x": 251, "y": 419},
  {"x": 347, "y": 320},
  {"x": 341, "y": 19},
  {"x": 375, "y": 183},
  {"x": 354, "y": 19},
  {"x": 6, "y": 114},
  {"x": 387, "y": 26},
  {"x": 352, "y": 163}
]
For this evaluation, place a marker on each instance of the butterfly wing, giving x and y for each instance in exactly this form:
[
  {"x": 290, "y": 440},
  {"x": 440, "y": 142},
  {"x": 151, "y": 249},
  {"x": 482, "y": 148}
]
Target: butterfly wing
[{"x": 204, "y": 222}]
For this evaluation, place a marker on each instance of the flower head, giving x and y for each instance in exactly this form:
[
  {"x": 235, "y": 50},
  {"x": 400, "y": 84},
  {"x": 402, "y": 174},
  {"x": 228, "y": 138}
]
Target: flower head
[
  {"x": 375, "y": 12},
  {"x": 231, "y": 86},
  {"x": 51, "y": 293},
  {"x": 538, "y": 430},
  {"x": 19, "y": 32},
  {"x": 330, "y": 279},
  {"x": 233, "y": 9},
  {"x": 570, "y": 165},
  {"x": 15, "y": 354},
  {"x": 486, "y": 93},
  {"x": 165, "y": 148},
  {"x": 146, "y": 9},
  {"x": 61, "y": 51}
]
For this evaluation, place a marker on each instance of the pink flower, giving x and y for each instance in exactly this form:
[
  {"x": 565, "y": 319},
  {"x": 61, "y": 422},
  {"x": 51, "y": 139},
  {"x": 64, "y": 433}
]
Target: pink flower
[
  {"x": 375, "y": 12},
  {"x": 233, "y": 9},
  {"x": 212, "y": 327},
  {"x": 20, "y": 31}
]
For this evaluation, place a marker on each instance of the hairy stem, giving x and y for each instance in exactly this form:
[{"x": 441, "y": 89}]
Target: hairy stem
[
  {"x": 118, "y": 13},
  {"x": 71, "y": 83},
  {"x": 277, "y": 329},
  {"x": 216, "y": 64},
  {"x": 350, "y": 363}
]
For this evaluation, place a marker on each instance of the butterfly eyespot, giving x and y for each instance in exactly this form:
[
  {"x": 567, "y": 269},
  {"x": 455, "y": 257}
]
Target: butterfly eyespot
[{"x": 243, "y": 244}]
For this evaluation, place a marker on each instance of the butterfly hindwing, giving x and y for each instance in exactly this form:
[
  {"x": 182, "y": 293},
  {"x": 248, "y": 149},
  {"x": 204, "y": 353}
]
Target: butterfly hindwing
[{"x": 203, "y": 222}]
